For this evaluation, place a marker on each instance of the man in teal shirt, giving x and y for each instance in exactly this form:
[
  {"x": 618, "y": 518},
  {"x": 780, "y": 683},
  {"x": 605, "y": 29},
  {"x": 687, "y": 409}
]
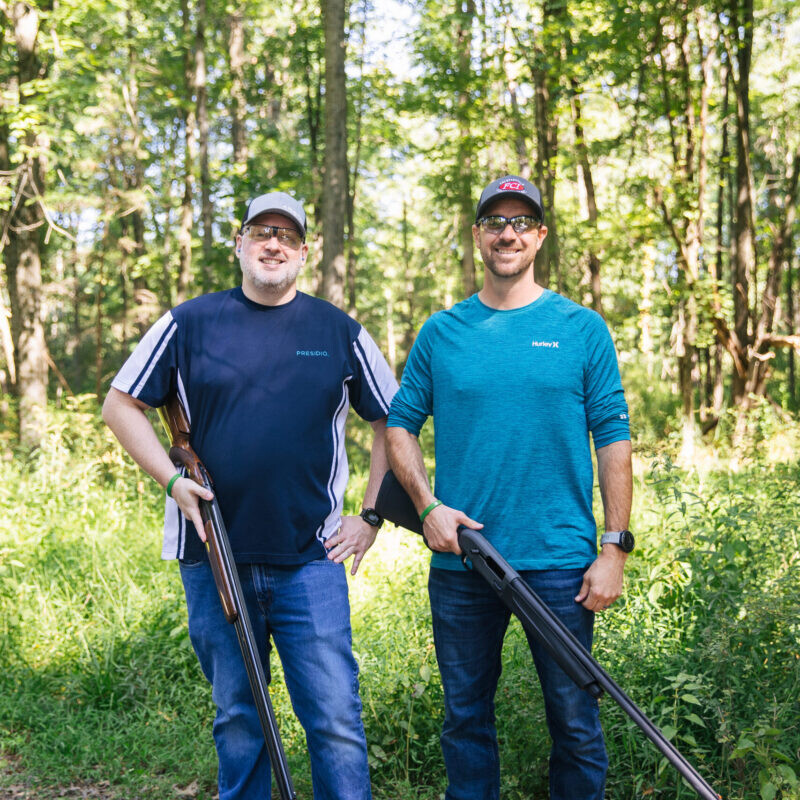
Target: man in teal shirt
[{"x": 516, "y": 378}]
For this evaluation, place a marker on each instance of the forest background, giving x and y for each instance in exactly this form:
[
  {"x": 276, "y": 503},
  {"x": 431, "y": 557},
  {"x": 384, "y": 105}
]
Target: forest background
[{"x": 665, "y": 139}]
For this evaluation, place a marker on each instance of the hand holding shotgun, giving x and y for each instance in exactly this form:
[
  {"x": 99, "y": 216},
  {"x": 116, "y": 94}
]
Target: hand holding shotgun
[
  {"x": 207, "y": 520},
  {"x": 188, "y": 493}
]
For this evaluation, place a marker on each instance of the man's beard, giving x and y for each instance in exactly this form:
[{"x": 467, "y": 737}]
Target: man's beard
[
  {"x": 276, "y": 283},
  {"x": 492, "y": 267}
]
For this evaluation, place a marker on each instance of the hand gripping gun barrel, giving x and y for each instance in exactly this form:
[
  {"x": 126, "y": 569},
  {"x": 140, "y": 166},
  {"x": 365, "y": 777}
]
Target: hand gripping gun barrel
[
  {"x": 175, "y": 421},
  {"x": 541, "y": 623}
]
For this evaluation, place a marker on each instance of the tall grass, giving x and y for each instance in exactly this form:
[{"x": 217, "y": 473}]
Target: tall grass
[{"x": 98, "y": 681}]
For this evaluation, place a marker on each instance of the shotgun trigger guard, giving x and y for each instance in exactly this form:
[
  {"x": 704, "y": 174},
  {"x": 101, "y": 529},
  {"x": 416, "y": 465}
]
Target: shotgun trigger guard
[{"x": 206, "y": 477}]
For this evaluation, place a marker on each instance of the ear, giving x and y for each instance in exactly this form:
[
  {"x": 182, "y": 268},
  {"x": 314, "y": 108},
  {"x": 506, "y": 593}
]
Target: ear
[{"x": 542, "y": 234}]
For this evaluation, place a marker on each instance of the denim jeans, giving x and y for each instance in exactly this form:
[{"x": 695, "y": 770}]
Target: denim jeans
[
  {"x": 305, "y": 609},
  {"x": 469, "y": 623}
]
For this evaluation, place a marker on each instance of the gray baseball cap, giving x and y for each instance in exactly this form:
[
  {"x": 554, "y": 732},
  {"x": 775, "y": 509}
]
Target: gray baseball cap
[
  {"x": 277, "y": 203},
  {"x": 511, "y": 186}
]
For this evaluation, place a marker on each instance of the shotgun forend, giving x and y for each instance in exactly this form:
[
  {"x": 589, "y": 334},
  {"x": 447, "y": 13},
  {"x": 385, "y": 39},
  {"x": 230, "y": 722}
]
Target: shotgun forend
[
  {"x": 176, "y": 422},
  {"x": 220, "y": 557}
]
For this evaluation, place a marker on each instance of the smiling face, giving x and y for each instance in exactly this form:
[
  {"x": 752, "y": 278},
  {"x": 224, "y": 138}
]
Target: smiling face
[
  {"x": 508, "y": 254},
  {"x": 269, "y": 268}
]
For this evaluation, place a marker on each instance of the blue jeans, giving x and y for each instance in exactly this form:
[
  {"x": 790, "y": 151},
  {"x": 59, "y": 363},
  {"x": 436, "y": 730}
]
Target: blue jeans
[
  {"x": 305, "y": 609},
  {"x": 469, "y": 623}
]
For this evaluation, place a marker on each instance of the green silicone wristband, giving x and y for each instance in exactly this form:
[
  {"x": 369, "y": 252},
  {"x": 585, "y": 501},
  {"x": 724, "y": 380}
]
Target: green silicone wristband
[
  {"x": 172, "y": 483},
  {"x": 429, "y": 509}
]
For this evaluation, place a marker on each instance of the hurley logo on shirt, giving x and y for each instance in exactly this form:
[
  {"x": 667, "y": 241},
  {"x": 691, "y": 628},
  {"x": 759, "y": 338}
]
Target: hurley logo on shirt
[
  {"x": 554, "y": 345},
  {"x": 323, "y": 353}
]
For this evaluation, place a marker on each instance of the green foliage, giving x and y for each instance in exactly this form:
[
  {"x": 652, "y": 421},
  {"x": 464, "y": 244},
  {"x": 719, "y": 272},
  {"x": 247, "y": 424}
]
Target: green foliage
[
  {"x": 710, "y": 629},
  {"x": 98, "y": 681}
]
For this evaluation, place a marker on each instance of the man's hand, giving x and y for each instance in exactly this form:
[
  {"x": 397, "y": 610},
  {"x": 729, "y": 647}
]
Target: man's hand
[
  {"x": 186, "y": 493},
  {"x": 440, "y": 528},
  {"x": 354, "y": 538},
  {"x": 602, "y": 582}
]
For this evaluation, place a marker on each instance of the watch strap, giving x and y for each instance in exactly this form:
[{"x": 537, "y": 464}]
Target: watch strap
[{"x": 623, "y": 539}]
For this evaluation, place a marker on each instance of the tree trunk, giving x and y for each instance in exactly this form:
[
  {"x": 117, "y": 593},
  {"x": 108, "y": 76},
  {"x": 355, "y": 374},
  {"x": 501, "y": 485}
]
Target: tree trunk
[
  {"x": 758, "y": 367},
  {"x": 409, "y": 329},
  {"x": 334, "y": 189},
  {"x": 352, "y": 263},
  {"x": 391, "y": 340},
  {"x": 7, "y": 344},
  {"x": 22, "y": 252},
  {"x": 238, "y": 108},
  {"x": 744, "y": 237},
  {"x": 520, "y": 145},
  {"x": 465, "y": 14},
  {"x": 546, "y": 69},
  {"x": 791, "y": 314},
  {"x": 591, "y": 200},
  {"x": 716, "y": 265},
  {"x": 313, "y": 107},
  {"x": 685, "y": 334},
  {"x": 548, "y": 258},
  {"x": 124, "y": 286},
  {"x": 76, "y": 331},
  {"x": 98, "y": 321},
  {"x": 134, "y": 179},
  {"x": 352, "y": 189},
  {"x": 200, "y": 82},
  {"x": 685, "y": 221},
  {"x": 188, "y": 116}
]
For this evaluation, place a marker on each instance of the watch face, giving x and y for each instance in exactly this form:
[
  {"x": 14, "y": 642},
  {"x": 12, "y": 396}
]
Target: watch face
[
  {"x": 626, "y": 541},
  {"x": 371, "y": 517}
]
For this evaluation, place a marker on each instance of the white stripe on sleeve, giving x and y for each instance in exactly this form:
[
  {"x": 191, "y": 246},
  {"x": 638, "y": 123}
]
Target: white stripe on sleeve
[
  {"x": 380, "y": 379},
  {"x": 141, "y": 362}
]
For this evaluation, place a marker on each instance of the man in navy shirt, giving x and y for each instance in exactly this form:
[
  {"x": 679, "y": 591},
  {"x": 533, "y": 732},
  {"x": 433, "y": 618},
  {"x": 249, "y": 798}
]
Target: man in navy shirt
[
  {"x": 267, "y": 375},
  {"x": 516, "y": 378}
]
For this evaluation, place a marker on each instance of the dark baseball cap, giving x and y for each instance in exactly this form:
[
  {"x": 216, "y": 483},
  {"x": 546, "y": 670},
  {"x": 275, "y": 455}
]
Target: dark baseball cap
[
  {"x": 511, "y": 186},
  {"x": 277, "y": 203}
]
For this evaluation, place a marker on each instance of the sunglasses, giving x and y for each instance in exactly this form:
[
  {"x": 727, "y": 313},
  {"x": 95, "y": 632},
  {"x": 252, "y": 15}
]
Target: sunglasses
[
  {"x": 263, "y": 233},
  {"x": 496, "y": 224}
]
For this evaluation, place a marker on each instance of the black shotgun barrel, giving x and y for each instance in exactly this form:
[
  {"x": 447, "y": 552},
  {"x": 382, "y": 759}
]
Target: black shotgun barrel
[
  {"x": 538, "y": 620},
  {"x": 541, "y": 623},
  {"x": 226, "y": 577}
]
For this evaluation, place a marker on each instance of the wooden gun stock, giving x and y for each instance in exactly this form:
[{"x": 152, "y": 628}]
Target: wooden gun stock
[
  {"x": 220, "y": 557},
  {"x": 176, "y": 423}
]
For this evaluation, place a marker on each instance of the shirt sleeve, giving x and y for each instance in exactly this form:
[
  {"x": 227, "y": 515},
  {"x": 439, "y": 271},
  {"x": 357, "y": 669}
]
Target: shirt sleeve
[
  {"x": 374, "y": 385},
  {"x": 151, "y": 372},
  {"x": 413, "y": 404},
  {"x": 606, "y": 408}
]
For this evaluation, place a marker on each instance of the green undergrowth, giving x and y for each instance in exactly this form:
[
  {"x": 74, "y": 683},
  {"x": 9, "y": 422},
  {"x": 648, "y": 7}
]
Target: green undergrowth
[{"x": 98, "y": 682}]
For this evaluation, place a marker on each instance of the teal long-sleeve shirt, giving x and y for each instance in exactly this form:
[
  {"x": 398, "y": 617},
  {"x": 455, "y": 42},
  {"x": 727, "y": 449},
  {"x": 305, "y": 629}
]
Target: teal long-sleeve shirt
[{"x": 514, "y": 395}]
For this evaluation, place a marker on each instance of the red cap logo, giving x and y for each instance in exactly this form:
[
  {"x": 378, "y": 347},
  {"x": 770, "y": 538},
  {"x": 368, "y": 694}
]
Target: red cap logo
[{"x": 510, "y": 186}]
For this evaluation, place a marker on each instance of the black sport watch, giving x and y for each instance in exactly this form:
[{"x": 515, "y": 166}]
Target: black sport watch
[
  {"x": 371, "y": 517},
  {"x": 622, "y": 539}
]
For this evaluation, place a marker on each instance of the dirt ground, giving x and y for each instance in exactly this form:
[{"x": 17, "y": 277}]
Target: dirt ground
[{"x": 15, "y": 785}]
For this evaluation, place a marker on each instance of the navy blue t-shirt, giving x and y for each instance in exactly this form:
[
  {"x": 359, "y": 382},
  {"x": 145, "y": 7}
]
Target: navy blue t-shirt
[{"x": 267, "y": 390}]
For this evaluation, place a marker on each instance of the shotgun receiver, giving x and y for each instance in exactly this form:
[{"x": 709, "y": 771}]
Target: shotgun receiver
[
  {"x": 541, "y": 623},
  {"x": 176, "y": 423}
]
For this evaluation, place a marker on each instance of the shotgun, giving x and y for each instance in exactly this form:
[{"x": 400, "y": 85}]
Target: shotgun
[
  {"x": 541, "y": 623},
  {"x": 220, "y": 556}
]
